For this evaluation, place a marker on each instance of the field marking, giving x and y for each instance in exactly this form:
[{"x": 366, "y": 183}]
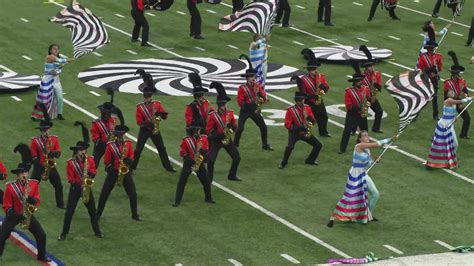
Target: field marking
[
  {"x": 199, "y": 48},
  {"x": 429, "y": 15},
  {"x": 24, "y": 20},
  {"x": 300, "y": 7},
  {"x": 227, "y": 5},
  {"x": 118, "y": 15},
  {"x": 325, "y": 40},
  {"x": 27, "y": 57},
  {"x": 358, "y": 4},
  {"x": 180, "y": 12},
  {"x": 399, "y": 252},
  {"x": 211, "y": 11},
  {"x": 387, "y": 75},
  {"x": 298, "y": 43},
  {"x": 7, "y": 69},
  {"x": 234, "y": 262},
  {"x": 416, "y": 1},
  {"x": 94, "y": 93},
  {"x": 361, "y": 39},
  {"x": 233, "y": 47},
  {"x": 422, "y": 35},
  {"x": 16, "y": 98},
  {"x": 178, "y": 264},
  {"x": 150, "y": 14},
  {"x": 349, "y": 76},
  {"x": 290, "y": 259},
  {"x": 448, "y": 246},
  {"x": 393, "y": 37},
  {"x": 96, "y": 53},
  {"x": 131, "y": 52},
  {"x": 455, "y": 33}
]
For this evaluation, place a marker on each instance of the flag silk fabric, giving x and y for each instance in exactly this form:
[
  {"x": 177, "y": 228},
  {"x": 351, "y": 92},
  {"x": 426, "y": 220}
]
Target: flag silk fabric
[
  {"x": 88, "y": 32},
  {"x": 256, "y": 17},
  {"x": 412, "y": 91},
  {"x": 258, "y": 58}
]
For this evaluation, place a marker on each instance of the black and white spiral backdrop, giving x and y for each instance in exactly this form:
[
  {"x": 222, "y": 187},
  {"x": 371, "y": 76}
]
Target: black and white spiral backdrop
[
  {"x": 347, "y": 52},
  {"x": 171, "y": 75},
  {"x": 16, "y": 82}
]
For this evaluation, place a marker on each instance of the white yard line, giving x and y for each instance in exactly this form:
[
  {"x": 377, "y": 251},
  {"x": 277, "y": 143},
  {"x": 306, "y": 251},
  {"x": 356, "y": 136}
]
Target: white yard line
[
  {"x": 349, "y": 76},
  {"x": 24, "y": 20},
  {"x": 178, "y": 264},
  {"x": 298, "y": 43},
  {"x": 399, "y": 252},
  {"x": 181, "y": 13},
  {"x": 393, "y": 37},
  {"x": 131, "y": 52},
  {"x": 361, "y": 39},
  {"x": 118, "y": 15},
  {"x": 211, "y": 11},
  {"x": 234, "y": 262},
  {"x": 199, "y": 48},
  {"x": 300, "y": 7},
  {"x": 150, "y": 14},
  {"x": 455, "y": 33},
  {"x": 387, "y": 75},
  {"x": 27, "y": 57},
  {"x": 233, "y": 47},
  {"x": 357, "y": 4},
  {"x": 16, "y": 98},
  {"x": 290, "y": 259},
  {"x": 441, "y": 243},
  {"x": 94, "y": 93},
  {"x": 227, "y": 5},
  {"x": 422, "y": 35},
  {"x": 429, "y": 15},
  {"x": 7, "y": 69},
  {"x": 97, "y": 54}
]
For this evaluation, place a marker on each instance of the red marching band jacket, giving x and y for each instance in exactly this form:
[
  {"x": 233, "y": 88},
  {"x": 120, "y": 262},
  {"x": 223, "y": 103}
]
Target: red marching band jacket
[
  {"x": 458, "y": 86},
  {"x": 100, "y": 129},
  {"x": 138, "y": 5},
  {"x": 14, "y": 194},
  {"x": 372, "y": 78},
  {"x": 190, "y": 146},
  {"x": 75, "y": 168},
  {"x": 354, "y": 97},
  {"x": 3, "y": 170},
  {"x": 203, "y": 108},
  {"x": 427, "y": 60},
  {"x": 310, "y": 85},
  {"x": 146, "y": 112},
  {"x": 295, "y": 117},
  {"x": 38, "y": 146},
  {"x": 113, "y": 153},
  {"x": 248, "y": 93},
  {"x": 218, "y": 123}
]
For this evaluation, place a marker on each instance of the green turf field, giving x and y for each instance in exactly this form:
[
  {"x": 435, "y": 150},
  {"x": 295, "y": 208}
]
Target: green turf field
[{"x": 416, "y": 206}]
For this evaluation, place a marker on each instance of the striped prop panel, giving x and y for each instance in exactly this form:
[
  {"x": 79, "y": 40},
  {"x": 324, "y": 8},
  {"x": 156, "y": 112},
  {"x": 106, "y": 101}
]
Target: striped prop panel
[
  {"x": 88, "y": 32},
  {"x": 412, "y": 91}
]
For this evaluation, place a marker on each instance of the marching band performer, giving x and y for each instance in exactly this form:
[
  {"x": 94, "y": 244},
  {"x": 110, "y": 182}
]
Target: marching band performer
[
  {"x": 431, "y": 63},
  {"x": 220, "y": 128},
  {"x": 459, "y": 87},
  {"x": 80, "y": 174},
  {"x": 118, "y": 160},
  {"x": 20, "y": 201},
  {"x": 430, "y": 33},
  {"x": 444, "y": 145},
  {"x": 193, "y": 149},
  {"x": 45, "y": 150},
  {"x": 315, "y": 86},
  {"x": 355, "y": 204},
  {"x": 198, "y": 110},
  {"x": 283, "y": 7},
  {"x": 138, "y": 15},
  {"x": 357, "y": 100},
  {"x": 299, "y": 121},
  {"x": 389, "y": 5},
  {"x": 149, "y": 115},
  {"x": 250, "y": 97},
  {"x": 373, "y": 80},
  {"x": 195, "y": 24},
  {"x": 3, "y": 176}
]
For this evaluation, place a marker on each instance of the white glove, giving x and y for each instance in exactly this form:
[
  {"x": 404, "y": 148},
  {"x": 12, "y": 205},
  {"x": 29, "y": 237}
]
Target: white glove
[
  {"x": 467, "y": 100},
  {"x": 384, "y": 141}
]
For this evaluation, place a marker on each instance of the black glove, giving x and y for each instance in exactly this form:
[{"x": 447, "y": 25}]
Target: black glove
[
  {"x": 109, "y": 168},
  {"x": 32, "y": 200},
  {"x": 163, "y": 115},
  {"x": 91, "y": 175},
  {"x": 128, "y": 161},
  {"x": 378, "y": 86},
  {"x": 2, "y": 176},
  {"x": 54, "y": 154},
  {"x": 323, "y": 87},
  {"x": 188, "y": 160},
  {"x": 15, "y": 216}
]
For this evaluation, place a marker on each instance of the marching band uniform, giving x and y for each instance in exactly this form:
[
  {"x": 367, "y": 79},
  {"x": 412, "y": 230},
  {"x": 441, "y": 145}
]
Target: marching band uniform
[
  {"x": 145, "y": 116},
  {"x": 219, "y": 123},
  {"x": 248, "y": 98},
  {"x": 296, "y": 121},
  {"x": 325, "y": 8},
  {"x": 114, "y": 156},
  {"x": 101, "y": 131},
  {"x": 315, "y": 86},
  {"x": 3, "y": 176},
  {"x": 13, "y": 204},
  {"x": 138, "y": 8},
  {"x": 431, "y": 63},
  {"x": 283, "y": 6},
  {"x": 40, "y": 146},
  {"x": 198, "y": 110},
  {"x": 76, "y": 173},
  {"x": 237, "y": 5},
  {"x": 193, "y": 146},
  {"x": 390, "y": 5},
  {"x": 195, "y": 25}
]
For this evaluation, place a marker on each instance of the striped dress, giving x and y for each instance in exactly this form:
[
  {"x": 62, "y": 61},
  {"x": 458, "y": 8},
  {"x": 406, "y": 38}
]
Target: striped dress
[
  {"x": 354, "y": 204},
  {"x": 46, "y": 93},
  {"x": 443, "y": 148}
]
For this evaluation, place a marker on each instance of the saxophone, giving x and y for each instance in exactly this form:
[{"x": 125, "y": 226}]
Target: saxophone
[
  {"x": 28, "y": 209},
  {"x": 156, "y": 122},
  {"x": 319, "y": 92},
  {"x": 123, "y": 168},
  {"x": 199, "y": 160},
  {"x": 373, "y": 91},
  {"x": 365, "y": 106},
  {"x": 309, "y": 125},
  {"x": 112, "y": 137},
  {"x": 87, "y": 182},
  {"x": 260, "y": 101},
  {"x": 49, "y": 163},
  {"x": 229, "y": 132}
]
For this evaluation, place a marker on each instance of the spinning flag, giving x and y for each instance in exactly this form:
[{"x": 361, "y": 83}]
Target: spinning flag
[
  {"x": 88, "y": 32},
  {"x": 412, "y": 91},
  {"x": 256, "y": 17}
]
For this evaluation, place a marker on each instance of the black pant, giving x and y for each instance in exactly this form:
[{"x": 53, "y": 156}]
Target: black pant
[
  {"x": 75, "y": 193},
  {"x": 471, "y": 33},
  {"x": 437, "y": 6},
  {"x": 321, "y": 116},
  {"x": 183, "y": 179},
  {"x": 231, "y": 149},
  {"x": 195, "y": 25},
  {"x": 377, "y": 108},
  {"x": 143, "y": 136},
  {"x": 54, "y": 179},
  {"x": 237, "y": 5},
  {"x": 283, "y": 6},
  {"x": 435, "y": 83},
  {"x": 353, "y": 119},
  {"x": 140, "y": 21},
  {"x": 1, "y": 197},
  {"x": 99, "y": 151},
  {"x": 35, "y": 228},
  {"x": 109, "y": 185},
  {"x": 293, "y": 137},
  {"x": 324, "y": 7},
  {"x": 466, "y": 122},
  {"x": 258, "y": 119},
  {"x": 373, "y": 8}
]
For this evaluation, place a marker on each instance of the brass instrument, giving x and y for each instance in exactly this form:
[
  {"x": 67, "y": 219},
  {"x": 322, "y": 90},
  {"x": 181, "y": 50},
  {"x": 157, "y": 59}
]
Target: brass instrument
[
  {"x": 49, "y": 163},
  {"x": 229, "y": 132},
  {"x": 123, "y": 168},
  {"x": 112, "y": 137},
  {"x": 87, "y": 182},
  {"x": 309, "y": 125},
  {"x": 156, "y": 123},
  {"x": 260, "y": 102},
  {"x": 319, "y": 92},
  {"x": 365, "y": 106},
  {"x": 28, "y": 209},
  {"x": 199, "y": 159}
]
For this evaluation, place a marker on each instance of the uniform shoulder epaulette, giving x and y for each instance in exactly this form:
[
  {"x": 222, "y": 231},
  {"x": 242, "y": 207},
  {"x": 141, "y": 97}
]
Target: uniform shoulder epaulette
[
  {"x": 230, "y": 110},
  {"x": 33, "y": 180},
  {"x": 70, "y": 159},
  {"x": 306, "y": 105},
  {"x": 110, "y": 141},
  {"x": 288, "y": 108},
  {"x": 11, "y": 182},
  {"x": 138, "y": 104},
  {"x": 53, "y": 136},
  {"x": 96, "y": 120},
  {"x": 204, "y": 135},
  {"x": 126, "y": 140},
  {"x": 212, "y": 111},
  {"x": 155, "y": 101},
  {"x": 90, "y": 156}
]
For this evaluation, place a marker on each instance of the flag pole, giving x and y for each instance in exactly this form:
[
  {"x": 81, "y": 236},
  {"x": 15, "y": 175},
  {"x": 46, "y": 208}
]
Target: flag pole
[
  {"x": 464, "y": 109},
  {"x": 383, "y": 152}
]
